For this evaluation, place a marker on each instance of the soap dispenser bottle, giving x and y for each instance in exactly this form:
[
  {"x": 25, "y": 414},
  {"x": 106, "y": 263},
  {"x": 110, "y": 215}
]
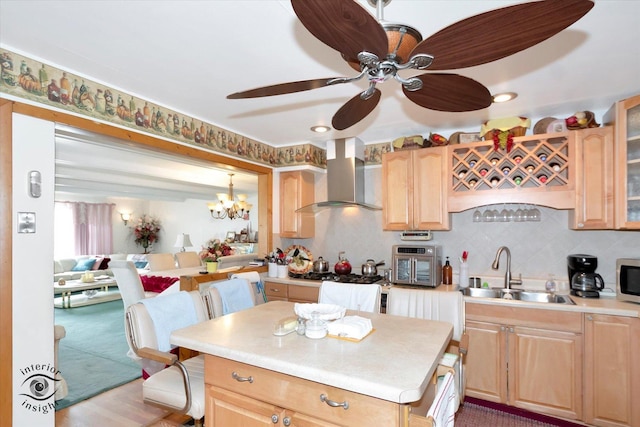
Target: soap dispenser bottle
[{"x": 447, "y": 273}]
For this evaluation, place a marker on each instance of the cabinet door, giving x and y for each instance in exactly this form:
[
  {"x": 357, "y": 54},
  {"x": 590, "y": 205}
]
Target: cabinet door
[
  {"x": 612, "y": 373},
  {"x": 296, "y": 419},
  {"x": 486, "y": 368},
  {"x": 276, "y": 291},
  {"x": 397, "y": 191},
  {"x": 304, "y": 294},
  {"x": 545, "y": 371},
  {"x": 225, "y": 408},
  {"x": 297, "y": 189},
  {"x": 594, "y": 180},
  {"x": 430, "y": 189}
]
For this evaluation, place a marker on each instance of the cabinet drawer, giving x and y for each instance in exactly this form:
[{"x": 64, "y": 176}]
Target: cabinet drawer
[
  {"x": 276, "y": 291},
  {"x": 303, "y": 293},
  {"x": 519, "y": 316},
  {"x": 300, "y": 395}
]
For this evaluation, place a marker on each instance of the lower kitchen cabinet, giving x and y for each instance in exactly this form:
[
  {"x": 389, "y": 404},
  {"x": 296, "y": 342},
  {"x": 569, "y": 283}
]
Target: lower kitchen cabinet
[
  {"x": 612, "y": 372},
  {"x": 527, "y": 358},
  {"x": 294, "y": 293},
  {"x": 243, "y": 395}
]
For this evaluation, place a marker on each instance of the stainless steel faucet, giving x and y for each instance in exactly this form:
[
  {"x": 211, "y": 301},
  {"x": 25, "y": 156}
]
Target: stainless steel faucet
[{"x": 507, "y": 276}]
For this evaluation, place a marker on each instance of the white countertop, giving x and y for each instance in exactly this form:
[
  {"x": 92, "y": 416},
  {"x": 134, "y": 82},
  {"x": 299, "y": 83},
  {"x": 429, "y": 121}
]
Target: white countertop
[{"x": 394, "y": 363}]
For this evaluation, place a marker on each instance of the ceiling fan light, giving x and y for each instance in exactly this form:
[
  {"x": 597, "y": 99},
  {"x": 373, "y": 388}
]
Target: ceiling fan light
[
  {"x": 504, "y": 97},
  {"x": 402, "y": 40}
]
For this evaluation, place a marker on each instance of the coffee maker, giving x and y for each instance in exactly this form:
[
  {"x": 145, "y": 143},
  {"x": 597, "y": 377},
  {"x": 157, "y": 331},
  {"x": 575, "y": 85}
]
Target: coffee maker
[{"x": 583, "y": 279}]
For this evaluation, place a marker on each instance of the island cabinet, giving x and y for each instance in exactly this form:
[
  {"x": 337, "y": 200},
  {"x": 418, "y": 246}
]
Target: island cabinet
[
  {"x": 414, "y": 193},
  {"x": 625, "y": 116},
  {"x": 240, "y": 394},
  {"x": 612, "y": 373},
  {"x": 527, "y": 358},
  {"x": 297, "y": 189},
  {"x": 289, "y": 292},
  {"x": 594, "y": 180}
]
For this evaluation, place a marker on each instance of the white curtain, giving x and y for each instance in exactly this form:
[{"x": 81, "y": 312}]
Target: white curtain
[{"x": 92, "y": 227}]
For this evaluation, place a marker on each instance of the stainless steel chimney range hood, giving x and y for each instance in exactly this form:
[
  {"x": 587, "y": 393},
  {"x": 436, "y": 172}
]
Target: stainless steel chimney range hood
[{"x": 345, "y": 178}]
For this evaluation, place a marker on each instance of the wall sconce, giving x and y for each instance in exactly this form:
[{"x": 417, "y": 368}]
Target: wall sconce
[{"x": 126, "y": 216}]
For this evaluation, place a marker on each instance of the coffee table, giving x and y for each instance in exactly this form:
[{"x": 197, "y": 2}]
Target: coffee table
[{"x": 68, "y": 299}]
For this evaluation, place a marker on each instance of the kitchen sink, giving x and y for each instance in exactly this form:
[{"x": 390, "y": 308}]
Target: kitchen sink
[{"x": 517, "y": 294}]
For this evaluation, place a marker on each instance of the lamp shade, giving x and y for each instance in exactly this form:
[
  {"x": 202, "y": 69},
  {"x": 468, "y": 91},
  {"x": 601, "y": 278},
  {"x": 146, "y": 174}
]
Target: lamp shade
[{"x": 183, "y": 241}]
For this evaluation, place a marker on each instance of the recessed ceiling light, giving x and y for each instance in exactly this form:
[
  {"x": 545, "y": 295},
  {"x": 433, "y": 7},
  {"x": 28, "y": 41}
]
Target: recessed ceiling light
[
  {"x": 504, "y": 97},
  {"x": 320, "y": 129}
]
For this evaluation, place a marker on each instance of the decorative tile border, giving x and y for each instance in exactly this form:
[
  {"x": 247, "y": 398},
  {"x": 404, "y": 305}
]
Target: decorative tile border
[{"x": 38, "y": 82}]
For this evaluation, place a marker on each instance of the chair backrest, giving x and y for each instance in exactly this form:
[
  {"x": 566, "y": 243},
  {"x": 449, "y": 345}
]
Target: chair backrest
[
  {"x": 256, "y": 281},
  {"x": 352, "y": 296},
  {"x": 188, "y": 259},
  {"x": 428, "y": 304},
  {"x": 128, "y": 281},
  {"x": 150, "y": 322},
  {"x": 228, "y": 296},
  {"x": 159, "y": 262}
]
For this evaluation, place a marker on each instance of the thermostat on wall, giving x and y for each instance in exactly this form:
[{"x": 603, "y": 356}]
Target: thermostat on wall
[{"x": 416, "y": 235}]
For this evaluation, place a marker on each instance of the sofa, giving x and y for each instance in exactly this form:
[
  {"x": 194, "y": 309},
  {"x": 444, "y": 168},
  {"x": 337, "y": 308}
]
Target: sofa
[{"x": 73, "y": 268}]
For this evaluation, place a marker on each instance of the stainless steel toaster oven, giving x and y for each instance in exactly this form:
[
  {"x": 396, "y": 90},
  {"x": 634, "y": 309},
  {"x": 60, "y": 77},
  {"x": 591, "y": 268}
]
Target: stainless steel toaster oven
[{"x": 417, "y": 265}]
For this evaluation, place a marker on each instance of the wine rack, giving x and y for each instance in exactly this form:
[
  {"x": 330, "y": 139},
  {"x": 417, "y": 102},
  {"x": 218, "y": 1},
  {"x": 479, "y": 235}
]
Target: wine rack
[{"x": 537, "y": 164}]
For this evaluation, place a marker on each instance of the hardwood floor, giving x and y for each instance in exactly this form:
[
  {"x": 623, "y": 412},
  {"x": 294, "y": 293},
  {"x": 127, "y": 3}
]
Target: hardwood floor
[{"x": 122, "y": 407}]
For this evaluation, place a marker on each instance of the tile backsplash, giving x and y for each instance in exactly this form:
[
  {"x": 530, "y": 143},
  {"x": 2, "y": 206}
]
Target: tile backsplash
[{"x": 537, "y": 248}]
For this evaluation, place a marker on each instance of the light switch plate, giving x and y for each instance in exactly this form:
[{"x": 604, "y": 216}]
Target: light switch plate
[{"x": 26, "y": 222}]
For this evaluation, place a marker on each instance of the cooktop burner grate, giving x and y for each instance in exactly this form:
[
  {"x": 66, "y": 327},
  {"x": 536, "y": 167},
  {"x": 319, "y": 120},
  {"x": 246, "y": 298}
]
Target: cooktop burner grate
[{"x": 342, "y": 278}]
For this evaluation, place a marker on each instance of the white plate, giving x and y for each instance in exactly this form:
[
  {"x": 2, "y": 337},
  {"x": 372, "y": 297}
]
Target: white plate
[{"x": 324, "y": 311}]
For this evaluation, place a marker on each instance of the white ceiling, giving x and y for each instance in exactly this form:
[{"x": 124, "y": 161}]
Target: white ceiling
[{"x": 189, "y": 55}]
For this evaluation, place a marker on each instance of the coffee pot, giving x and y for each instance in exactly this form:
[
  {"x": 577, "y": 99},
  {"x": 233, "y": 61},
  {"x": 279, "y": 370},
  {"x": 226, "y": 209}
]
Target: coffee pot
[{"x": 585, "y": 282}]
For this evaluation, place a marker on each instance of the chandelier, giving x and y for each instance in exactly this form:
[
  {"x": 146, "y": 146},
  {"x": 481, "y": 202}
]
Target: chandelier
[{"x": 227, "y": 207}]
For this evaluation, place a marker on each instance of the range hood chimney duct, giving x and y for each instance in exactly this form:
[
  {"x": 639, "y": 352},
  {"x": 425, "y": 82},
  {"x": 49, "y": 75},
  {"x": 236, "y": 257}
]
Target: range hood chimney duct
[{"x": 345, "y": 177}]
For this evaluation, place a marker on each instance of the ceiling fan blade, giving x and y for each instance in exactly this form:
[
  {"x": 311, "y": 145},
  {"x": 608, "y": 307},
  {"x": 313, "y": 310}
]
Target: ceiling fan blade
[
  {"x": 343, "y": 25},
  {"x": 499, "y": 33},
  {"x": 355, "y": 110},
  {"x": 450, "y": 92},
  {"x": 284, "y": 88}
]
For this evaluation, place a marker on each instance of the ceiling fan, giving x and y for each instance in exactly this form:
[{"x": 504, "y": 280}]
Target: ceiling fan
[{"x": 379, "y": 49}]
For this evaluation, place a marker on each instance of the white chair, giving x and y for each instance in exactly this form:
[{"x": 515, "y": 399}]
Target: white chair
[
  {"x": 352, "y": 296},
  {"x": 188, "y": 259},
  {"x": 436, "y": 305},
  {"x": 160, "y": 262},
  {"x": 129, "y": 283},
  {"x": 180, "y": 386},
  {"x": 229, "y": 296},
  {"x": 256, "y": 281}
]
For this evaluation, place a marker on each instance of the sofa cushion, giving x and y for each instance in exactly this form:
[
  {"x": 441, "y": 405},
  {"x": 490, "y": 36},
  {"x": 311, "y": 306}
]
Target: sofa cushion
[
  {"x": 97, "y": 263},
  {"x": 57, "y": 267},
  {"x": 84, "y": 264},
  {"x": 118, "y": 257},
  {"x": 141, "y": 264},
  {"x": 104, "y": 264}
]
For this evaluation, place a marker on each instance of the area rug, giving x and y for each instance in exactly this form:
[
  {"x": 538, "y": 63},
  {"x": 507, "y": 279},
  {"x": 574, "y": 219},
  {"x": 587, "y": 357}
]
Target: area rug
[
  {"x": 476, "y": 412},
  {"x": 92, "y": 357}
]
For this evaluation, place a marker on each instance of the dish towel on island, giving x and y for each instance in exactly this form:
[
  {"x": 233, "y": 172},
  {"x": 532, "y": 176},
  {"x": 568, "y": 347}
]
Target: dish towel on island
[
  {"x": 351, "y": 296},
  {"x": 235, "y": 295},
  {"x": 254, "y": 278},
  {"x": 442, "y": 410},
  {"x": 170, "y": 312}
]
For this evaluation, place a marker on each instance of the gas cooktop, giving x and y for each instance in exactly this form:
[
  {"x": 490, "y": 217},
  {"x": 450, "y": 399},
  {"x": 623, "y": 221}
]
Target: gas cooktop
[{"x": 342, "y": 278}]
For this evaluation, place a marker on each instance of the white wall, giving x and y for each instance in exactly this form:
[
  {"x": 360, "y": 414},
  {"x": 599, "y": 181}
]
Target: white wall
[{"x": 33, "y": 149}]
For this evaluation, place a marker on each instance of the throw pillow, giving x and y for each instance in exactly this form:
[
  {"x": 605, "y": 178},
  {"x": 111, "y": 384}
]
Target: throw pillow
[
  {"x": 104, "y": 264},
  {"x": 84, "y": 264},
  {"x": 141, "y": 264},
  {"x": 96, "y": 264}
]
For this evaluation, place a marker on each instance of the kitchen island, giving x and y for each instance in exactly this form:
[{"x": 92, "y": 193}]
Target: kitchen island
[{"x": 249, "y": 372}]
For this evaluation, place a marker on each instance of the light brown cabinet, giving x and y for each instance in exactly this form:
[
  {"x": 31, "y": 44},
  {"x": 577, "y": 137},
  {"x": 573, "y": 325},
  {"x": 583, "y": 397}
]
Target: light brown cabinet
[
  {"x": 297, "y": 189},
  {"x": 289, "y": 292},
  {"x": 612, "y": 373},
  {"x": 625, "y": 116},
  {"x": 414, "y": 195},
  {"x": 594, "y": 208},
  {"x": 528, "y": 358},
  {"x": 240, "y": 394}
]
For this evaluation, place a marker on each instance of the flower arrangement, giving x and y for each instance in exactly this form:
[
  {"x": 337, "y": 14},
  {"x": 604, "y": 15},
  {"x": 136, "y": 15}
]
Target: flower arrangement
[
  {"x": 214, "y": 249},
  {"x": 146, "y": 231}
]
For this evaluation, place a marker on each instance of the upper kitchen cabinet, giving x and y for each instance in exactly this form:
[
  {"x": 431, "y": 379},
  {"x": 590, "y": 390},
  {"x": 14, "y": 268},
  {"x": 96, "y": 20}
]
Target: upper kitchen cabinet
[
  {"x": 594, "y": 180},
  {"x": 414, "y": 193},
  {"x": 297, "y": 189},
  {"x": 539, "y": 169},
  {"x": 625, "y": 116}
]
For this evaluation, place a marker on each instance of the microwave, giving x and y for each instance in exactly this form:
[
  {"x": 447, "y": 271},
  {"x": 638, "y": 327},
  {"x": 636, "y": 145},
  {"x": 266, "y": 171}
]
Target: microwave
[{"x": 628, "y": 279}]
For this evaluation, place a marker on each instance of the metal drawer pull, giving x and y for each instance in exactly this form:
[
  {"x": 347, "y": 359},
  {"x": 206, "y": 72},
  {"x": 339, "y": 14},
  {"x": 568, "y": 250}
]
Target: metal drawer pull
[
  {"x": 325, "y": 399},
  {"x": 238, "y": 378}
]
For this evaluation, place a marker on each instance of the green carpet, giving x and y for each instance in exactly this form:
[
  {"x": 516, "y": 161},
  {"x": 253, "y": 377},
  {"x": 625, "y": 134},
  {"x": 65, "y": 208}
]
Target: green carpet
[{"x": 92, "y": 357}]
